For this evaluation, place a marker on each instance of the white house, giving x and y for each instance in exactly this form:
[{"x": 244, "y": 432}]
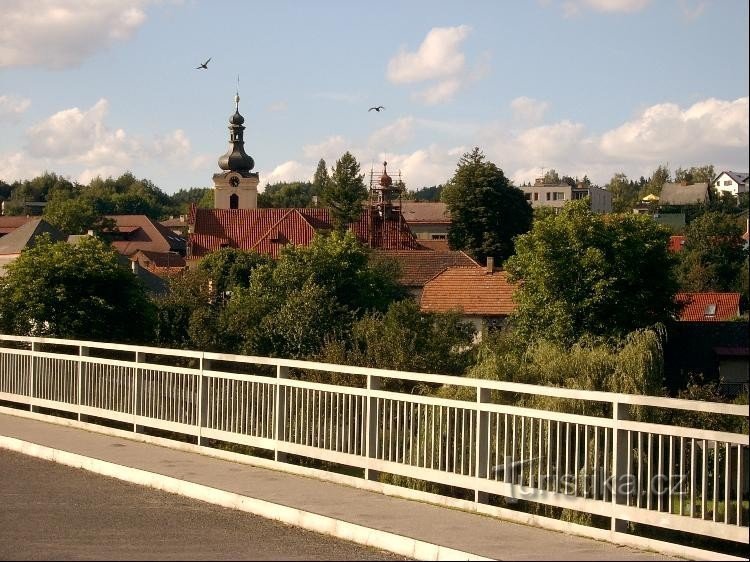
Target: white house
[{"x": 731, "y": 182}]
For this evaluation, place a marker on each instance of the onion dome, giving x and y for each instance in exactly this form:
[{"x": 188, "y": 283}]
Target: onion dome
[
  {"x": 236, "y": 159},
  {"x": 385, "y": 179}
]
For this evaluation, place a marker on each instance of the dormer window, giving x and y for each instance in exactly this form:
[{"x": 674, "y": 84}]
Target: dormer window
[{"x": 710, "y": 311}]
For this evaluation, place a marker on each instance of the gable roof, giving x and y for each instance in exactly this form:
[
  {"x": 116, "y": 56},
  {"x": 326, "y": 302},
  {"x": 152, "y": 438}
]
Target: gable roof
[
  {"x": 267, "y": 231},
  {"x": 419, "y": 266},
  {"x": 139, "y": 232},
  {"x": 471, "y": 290},
  {"x": 678, "y": 194},
  {"x": 159, "y": 262},
  {"x": 25, "y": 236},
  {"x": 708, "y": 307},
  {"x": 738, "y": 177},
  {"x": 9, "y": 223},
  {"x": 425, "y": 212}
]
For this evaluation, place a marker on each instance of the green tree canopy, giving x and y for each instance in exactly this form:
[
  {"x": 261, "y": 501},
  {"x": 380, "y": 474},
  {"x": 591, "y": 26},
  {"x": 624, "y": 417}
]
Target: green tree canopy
[
  {"x": 487, "y": 212},
  {"x": 320, "y": 178},
  {"x": 584, "y": 274},
  {"x": 695, "y": 174},
  {"x": 714, "y": 254},
  {"x": 74, "y": 291},
  {"x": 287, "y": 195},
  {"x": 230, "y": 268},
  {"x": 345, "y": 192}
]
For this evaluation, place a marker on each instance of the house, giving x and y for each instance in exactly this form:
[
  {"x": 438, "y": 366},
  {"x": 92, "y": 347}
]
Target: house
[
  {"x": 160, "y": 263},
  {"x": 178, "y": 225},
  {"x": 709, "y": 339},
  {"x": 139, "y": 232},
  {"x": 708, "y": 307},
  {"x": 427, "y": 220},
  {"x": 681, "y": 194},
  {"x": 24, "y": 237},
  {"x": 9, "y": 223},
  {"x": 733, "y": 183},
  {"x": 483, "y": 296},
  {"x": 417, "y": 267},
  {"x": 556, "y": 195}
]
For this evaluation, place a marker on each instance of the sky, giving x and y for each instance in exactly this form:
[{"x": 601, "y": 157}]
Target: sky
[{"x": 588, "y": 87}]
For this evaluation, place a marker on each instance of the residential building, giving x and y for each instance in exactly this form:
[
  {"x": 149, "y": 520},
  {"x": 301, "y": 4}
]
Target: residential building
[
  {"x": 417, "y": 267},
  {"x": 160, "y": 263},
  {"x": 734, "y": 183},
  {"x": 139, "y": 232},
  {"x": 24, "y": 237},
  {"x": 557, "y": 195},
  {"x": 9, "y": 223},
  {"x": 178, "y": 225},
  {"x": 681, "y": 194},
  {"x": 482, "y": 295},
  {"x": 708, "y": 307},
  {"x": 427, "y": 220}
]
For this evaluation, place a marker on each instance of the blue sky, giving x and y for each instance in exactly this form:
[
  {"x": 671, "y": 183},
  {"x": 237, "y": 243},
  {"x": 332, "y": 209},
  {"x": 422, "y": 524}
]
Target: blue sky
[{"x": 596, "y": 87}]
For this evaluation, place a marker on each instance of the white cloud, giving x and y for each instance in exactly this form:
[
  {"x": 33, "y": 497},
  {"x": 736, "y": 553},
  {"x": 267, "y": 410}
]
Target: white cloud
[
  {"x": 397, "y": 133},
  {"x": 437, "y": 57},
  {"x": 573, "y": 7},
  {"x": 528, "y": 109},
  {"x": 667, "y": 132},
  {"x": 18, "y": 166},
  {"x": 290, "y": 170},
  {"x": 331, "y": 149},
  {"x": 11, "y": 107},
  {"x": 440, "y": 92},
  {"x": 173, "y": 145},
  {"x": 63, "y": 33}
]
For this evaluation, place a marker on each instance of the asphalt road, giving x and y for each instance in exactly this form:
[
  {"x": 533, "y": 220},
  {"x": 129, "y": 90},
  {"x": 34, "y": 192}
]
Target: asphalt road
[{"x": 54, "y": 512}]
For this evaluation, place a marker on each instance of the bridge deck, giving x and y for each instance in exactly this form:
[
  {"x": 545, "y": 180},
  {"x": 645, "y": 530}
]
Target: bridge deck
[{"x": 450, "y": 528}]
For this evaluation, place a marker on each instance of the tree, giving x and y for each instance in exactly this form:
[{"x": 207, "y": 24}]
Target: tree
[
  {"x": 714, "y": 254},
  {"x": 76, "y": 215},
  {"x": 588, "y": 275},
  {"x": 487, "y": 212},
  {"x": 659, "y": 177},
  {"x": 696, "y": 174},
  {"x": 551, "y": 177},
  {"x": 624, "y": 193},
  {"x": 286, "y": 195},
  {"x": 74, "y": 291},
  {"x": 320, "y": 178},
  {"x": 345, "y": 192},
  {"x": 229, "y": 268}
]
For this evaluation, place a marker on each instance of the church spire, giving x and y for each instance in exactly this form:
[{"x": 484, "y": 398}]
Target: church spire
[{"x": 236, "y": 159}]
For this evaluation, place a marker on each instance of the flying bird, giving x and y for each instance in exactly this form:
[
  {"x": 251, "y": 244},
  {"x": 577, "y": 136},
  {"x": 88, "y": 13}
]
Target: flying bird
[
  {"x": 378, "y": 108},
  {"x": 204, "y": 65}
]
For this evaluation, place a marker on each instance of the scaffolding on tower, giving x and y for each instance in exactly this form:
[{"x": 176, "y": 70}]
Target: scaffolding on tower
[{"x": 384, "y": 206}]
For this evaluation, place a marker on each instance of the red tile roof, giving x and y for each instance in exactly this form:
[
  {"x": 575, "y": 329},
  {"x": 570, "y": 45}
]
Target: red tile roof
[
  {"x": 471, "y": 290},
  {"x": 437, "y": 245},
  {"x": 9, "y": 223},
  {"x": 268, "y": 230},
  {"x": 676, "y": 243},
  {"x": 160, "y": 262},
  {"x": 138, "y": 232},
  {"x": 419, "y": 266},
  {"x": 708, "y": 307}
]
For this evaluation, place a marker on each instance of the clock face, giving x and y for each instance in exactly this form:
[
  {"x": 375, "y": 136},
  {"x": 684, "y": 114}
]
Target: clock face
[{"x": 234, "y": 181}]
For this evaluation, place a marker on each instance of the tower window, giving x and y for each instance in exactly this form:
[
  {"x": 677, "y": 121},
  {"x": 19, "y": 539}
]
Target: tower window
[{"x": 234, "y": 201}]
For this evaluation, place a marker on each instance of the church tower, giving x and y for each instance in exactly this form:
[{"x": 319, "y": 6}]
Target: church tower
[{"x": 236, "y": 186}]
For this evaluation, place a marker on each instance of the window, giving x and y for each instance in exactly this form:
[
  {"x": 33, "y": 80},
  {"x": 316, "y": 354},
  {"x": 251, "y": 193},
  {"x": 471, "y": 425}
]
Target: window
[
  {"x": 536, "y": 197},
  {"x": 727, "y": 182},
  {"x": 234, "y": 201},
  {"x": 528, "y": 196},
  {"x": 558, "y": 196},
  {"x": 438, "y": 237},
  {"x": 710, "y": 310},
  {"x": 548, "y": 195}
]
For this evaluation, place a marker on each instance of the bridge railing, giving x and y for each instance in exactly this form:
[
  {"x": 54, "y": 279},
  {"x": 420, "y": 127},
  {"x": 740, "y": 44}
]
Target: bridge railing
[{"x": 599, "y": 453}]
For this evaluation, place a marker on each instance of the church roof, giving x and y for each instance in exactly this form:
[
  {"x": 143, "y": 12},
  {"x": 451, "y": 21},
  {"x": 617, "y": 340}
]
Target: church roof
[{"x": 268, "y": 230}]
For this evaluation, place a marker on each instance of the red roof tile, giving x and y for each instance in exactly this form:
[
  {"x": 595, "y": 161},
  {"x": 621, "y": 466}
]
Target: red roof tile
[
  {"x": 160, "y": 262},
  {"x": 708, "y": 307},
  {"x": 437, "y": 245},
  {"x": 676, "y": 243},
  {"x": 425, "y": 212},
  {"x": 138, "y": 232},
  {"x": 471, "y": 290},
  {"x": 9, "y": 223},
  {"x": 419, "y": 266},
  {"x": 268, "y": 230}
]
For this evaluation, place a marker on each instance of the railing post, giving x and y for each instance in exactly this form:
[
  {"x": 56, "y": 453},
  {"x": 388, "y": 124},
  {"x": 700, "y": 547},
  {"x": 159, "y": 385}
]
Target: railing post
[
  {"x": 202, "y": 406},
  {"x": 481, "y": 458},
  {"x": 371, "y": 427},
  {"x": 621, "y": 480},
  {"x": 138, "y": 391},
  {"x": 83, "y": 351},
  {"x": 32, "y": 377},
  {"x": 279, "y": 413}
]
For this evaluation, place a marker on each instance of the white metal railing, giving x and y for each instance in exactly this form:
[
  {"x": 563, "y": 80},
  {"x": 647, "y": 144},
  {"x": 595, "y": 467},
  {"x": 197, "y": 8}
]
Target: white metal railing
[{"x": 679, "y": 478}]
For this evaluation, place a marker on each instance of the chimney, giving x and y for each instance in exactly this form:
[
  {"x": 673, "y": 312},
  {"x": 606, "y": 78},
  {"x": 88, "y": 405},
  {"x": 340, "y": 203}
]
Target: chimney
[
  {"x": 90, "y": 233},
  {"x": 490, "y": 264}
]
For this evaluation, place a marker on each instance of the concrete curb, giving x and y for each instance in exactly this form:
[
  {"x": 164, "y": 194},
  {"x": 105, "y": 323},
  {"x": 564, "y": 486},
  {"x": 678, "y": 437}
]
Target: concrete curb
[{"x": 383, "y": 540}]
